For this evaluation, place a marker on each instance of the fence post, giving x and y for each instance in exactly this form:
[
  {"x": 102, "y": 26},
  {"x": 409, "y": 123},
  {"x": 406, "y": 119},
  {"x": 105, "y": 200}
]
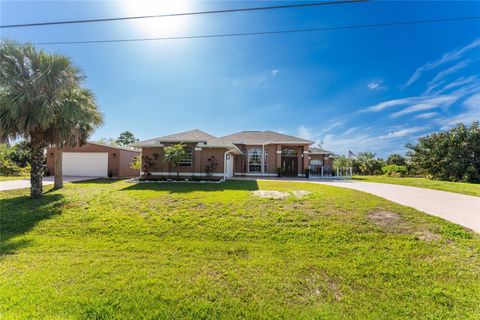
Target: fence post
[
  {"x": 322, "y": 171},
  {"x": 351, "y": 172},
  {"x": 337, "y": 171}
]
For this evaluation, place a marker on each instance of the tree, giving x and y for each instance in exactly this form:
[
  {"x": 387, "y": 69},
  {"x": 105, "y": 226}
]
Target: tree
[
  {"x": 126, "y": 138},
  {"x": 108, "y": 141},
  {"x": 452, "y": 155},
  {"x": 211, "y": 166},
  {"x": 136, "y": 163},
  {"x": 396, "y": 159},
  {"x": 174, "y": 154},
  {"x": 76, "y": 120},
  {"x": 33, "y": 84},
  {"x": 368, "y": 164}
]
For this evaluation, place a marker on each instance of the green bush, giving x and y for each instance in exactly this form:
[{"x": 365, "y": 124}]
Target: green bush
[
  {"x": 8, "y": 167},
  {"x": 394, "y": 170}
]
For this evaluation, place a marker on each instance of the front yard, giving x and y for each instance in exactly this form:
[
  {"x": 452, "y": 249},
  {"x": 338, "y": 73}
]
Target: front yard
[
  {"x": 110, "y": 249},
  {"x": 471, "y": 189}
]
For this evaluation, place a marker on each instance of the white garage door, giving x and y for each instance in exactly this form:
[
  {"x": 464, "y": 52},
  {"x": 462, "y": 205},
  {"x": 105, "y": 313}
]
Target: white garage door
[{"x": 85, "y": 164}]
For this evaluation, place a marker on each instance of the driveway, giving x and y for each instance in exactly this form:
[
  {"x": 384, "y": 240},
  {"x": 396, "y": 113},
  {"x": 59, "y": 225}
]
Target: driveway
[
  {"x": 25, "y": 183},
  {"x": 455, "y": 207}
]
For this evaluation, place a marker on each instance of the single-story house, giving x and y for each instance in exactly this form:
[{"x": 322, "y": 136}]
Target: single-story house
[
  {"x": 95, "y": 160},
  {"x": 246, "y": 153}
]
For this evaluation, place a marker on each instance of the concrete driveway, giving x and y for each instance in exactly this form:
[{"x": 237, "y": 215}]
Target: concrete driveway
[
  {"x": 25, "y": 183},
  {"x": 455, "y": 207}
]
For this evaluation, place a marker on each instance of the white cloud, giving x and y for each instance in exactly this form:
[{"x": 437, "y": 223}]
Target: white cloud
[
  {"x": 304, "y": 132},
  {"x": 459, "y": 82},
  {"x": 427, "y": 115},
  {"x": 427, "y": 104},
  {"x": 376, "y": 84},
  {"x": 388, "y": 104},
  {"x": 275, "y": 72},
  {"x": 402, "y": 132},
  {"x": 471, "y": 113},
  {"x": 447, "y": 57},
  {"x": 444, "y": 100},
  {"x": 473, "y": 102},
  {"x": 436, "y": 81}
]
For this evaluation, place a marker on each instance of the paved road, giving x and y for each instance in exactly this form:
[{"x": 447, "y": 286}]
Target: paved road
[
  {"x": 25, "y": 183},
  {"x": 455, "y": 207}
]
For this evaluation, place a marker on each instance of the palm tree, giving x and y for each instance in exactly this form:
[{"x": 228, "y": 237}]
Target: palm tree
[
  {"x": 76, "y": 119},
  {"x": 34, "y": 91}
]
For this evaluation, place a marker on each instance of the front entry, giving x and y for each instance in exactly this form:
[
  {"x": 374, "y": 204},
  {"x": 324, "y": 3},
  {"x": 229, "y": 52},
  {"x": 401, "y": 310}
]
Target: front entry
[{"x": 290, "y": 166}]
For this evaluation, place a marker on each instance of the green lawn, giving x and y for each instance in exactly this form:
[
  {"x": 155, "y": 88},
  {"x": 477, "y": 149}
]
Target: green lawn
[
  {"x": 113, "y": 250},
  {"x": 458, "y": 187},
  {"x": 8, "y": 178}
]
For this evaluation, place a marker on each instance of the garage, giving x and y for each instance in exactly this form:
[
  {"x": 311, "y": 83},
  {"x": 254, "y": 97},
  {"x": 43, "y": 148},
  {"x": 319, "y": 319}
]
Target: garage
[
  {"x": 94, "y": 160},
  {"x": 85, "y": 164}
]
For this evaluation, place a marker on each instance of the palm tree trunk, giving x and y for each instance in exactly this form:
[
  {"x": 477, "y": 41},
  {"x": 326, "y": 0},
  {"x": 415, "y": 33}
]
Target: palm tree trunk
[
  {"x": 36, "y": 162},
  {"x": 58, "y": 181}
]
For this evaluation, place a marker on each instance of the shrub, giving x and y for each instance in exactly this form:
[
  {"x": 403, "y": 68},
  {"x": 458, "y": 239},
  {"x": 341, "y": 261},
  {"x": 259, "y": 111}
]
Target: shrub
[
  {"x": 452, "y": 155},
  {"x": 394, "y": 170},
  {"x": 211, "y": 167}
]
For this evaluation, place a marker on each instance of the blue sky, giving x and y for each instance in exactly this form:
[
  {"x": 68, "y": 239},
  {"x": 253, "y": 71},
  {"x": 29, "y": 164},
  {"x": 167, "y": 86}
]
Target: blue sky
[{"x": 363, "y": 90}]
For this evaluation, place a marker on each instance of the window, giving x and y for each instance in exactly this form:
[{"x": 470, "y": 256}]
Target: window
[
  {"x": 316, "y": 162},
  {"x": 289, "y": 152},
  {"x": 187, "y": 161},
  {"x": 254, "y": 160}
]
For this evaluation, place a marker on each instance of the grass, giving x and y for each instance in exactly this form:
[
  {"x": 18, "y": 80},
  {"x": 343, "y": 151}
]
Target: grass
[
  {"x": 8, "y": 178},
  {"x": 472, "y": 189},
  {"x": 109, "y": 249}
]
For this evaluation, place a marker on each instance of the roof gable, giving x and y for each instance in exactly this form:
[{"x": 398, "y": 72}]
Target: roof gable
[{"x": 195, "y": 136}]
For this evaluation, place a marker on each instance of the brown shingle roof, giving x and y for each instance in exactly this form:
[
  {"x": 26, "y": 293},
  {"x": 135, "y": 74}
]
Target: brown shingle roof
[
  {"x": 195, "y": 135},
  {"x": 264, "y": 137},
  {"x": 318, "y": 151}
]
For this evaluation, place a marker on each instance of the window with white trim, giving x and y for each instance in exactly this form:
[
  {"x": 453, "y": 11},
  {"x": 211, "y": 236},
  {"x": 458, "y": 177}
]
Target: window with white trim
[
  {"x": 187, "y": 160},
  {"x": 255, "y": 160},
  {"x": 316, "y": 162}
]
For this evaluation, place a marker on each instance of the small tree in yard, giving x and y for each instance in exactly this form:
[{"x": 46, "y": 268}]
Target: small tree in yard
[
  {"x": 136, "y": 163},
  {"x": 147, "y": 164},
  {"x": 211, "y": 167},
  {"x": 174, "y": 154}
]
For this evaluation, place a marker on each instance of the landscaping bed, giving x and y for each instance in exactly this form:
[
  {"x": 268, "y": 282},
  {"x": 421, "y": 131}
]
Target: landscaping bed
[{"x": 179, "y": 179}]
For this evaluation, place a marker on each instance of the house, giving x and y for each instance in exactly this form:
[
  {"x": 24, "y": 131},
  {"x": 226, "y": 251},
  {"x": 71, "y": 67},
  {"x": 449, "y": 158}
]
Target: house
[
  {"x": 246, "y": 153},
  {"x": 95, "y": 160}
]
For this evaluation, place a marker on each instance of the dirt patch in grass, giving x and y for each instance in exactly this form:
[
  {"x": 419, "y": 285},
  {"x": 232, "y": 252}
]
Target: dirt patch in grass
[
  {"x": 300, "y": 193},
  {"x": 427, "y": 236},
  {"x": 385, "y": 219},
  {"x": 274, "y": 194},
  {"x": 271, "y": 194}
]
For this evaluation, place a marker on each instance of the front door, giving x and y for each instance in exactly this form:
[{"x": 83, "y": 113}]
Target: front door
[{"x": 290, "y": 165}]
